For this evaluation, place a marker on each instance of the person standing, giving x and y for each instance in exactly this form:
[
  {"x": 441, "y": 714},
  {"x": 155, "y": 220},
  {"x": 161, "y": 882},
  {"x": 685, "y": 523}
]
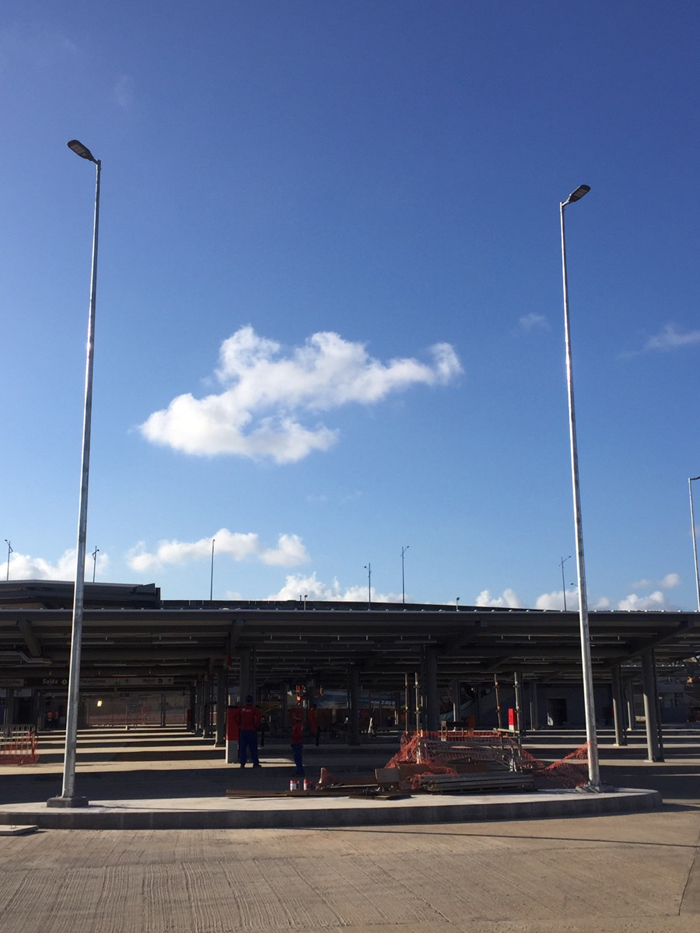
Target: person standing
[
  {"x": 298, "y": 740},
  {"x": 249, "y": 723}
]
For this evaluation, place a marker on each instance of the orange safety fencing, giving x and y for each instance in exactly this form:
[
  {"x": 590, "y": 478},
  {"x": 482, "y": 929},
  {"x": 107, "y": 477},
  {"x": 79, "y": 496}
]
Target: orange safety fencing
[
  {"x": 18, "y": 746},
  {"x": 462, "y": 752}
]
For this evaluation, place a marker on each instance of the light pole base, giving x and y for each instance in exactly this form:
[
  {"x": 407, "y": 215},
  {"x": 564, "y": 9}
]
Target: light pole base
[
  {"x": 600, "y": 789},
  {"x": 67, "y": 802}
]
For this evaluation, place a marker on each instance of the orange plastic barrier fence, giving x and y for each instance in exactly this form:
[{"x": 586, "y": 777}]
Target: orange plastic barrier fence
[
  {"x": 18, "y": 746},
  {"x": 459, "y": 750}
]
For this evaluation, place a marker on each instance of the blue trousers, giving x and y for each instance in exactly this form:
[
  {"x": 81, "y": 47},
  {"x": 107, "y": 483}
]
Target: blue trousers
[
  {"x": 297, "y": 751},
  {"x": 248, "y": 742}
]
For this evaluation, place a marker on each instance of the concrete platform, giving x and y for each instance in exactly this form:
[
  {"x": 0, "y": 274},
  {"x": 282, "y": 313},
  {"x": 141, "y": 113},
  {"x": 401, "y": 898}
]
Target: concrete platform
[
  {"x": 166, "y": 779},
  {"x": 315, "y": 812}
]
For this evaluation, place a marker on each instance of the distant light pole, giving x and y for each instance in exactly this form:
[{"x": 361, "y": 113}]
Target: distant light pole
[
  {"x": 691, "y": 480},
  {"x": 306, "y": 596},
  {"x": 368, "y": 568},
  {"x": 563, "y": 584},
  {"x": 68, "y": 797},
  {"x": 586, "y": 664},
  {"x": 403, "y": 577},
  {"x": 10, "y": 549},
  {"x": 457, "y": 603},
  {"x": 94, "y": 562},
  {"x": 211, "y": 580}
]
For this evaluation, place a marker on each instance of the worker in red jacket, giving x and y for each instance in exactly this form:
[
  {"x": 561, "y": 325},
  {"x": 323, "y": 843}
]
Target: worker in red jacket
[
  {"x": 249, "y": 723},
  {"x": 298, "y": 739}
]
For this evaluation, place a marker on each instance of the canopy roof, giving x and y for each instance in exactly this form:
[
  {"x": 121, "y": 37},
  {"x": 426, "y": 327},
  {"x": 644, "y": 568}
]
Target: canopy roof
[{"x": 128, "y": 631}]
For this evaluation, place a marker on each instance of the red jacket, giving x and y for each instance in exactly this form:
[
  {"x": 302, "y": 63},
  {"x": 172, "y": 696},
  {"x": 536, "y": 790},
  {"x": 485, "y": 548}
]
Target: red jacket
[
  {"x": 251, "y": 718},
  {"x": 297, "y": 731}
]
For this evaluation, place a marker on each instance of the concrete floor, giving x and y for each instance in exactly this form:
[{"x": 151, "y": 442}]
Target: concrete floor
[{"x": 611, "y": 874}]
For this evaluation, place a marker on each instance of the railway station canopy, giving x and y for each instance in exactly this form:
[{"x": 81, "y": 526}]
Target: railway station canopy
[{"x": 130, "y": 632}]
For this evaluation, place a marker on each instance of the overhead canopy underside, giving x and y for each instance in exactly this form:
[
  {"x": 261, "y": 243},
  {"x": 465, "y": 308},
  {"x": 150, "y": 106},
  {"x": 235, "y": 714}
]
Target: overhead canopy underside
[{"x": 129, "y": 631}]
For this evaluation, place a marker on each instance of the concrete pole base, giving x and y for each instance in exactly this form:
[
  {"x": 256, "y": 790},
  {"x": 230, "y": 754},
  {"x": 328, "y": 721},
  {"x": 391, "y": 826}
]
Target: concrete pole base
[{"x": 65, "y": 802}]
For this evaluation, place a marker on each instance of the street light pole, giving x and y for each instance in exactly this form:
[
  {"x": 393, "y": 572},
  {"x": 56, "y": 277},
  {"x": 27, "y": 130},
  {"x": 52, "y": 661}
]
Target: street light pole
[
  {"x": 211, "y": 582},
  {"x": 94, "y": 562},
  {"x": 587, "y": 670},
  {"x": 691, "y": 480},
  {"x": 68, "y": 797},
  {"x": 563, "y": 584},
  {"x": 368, "y": 568},
  {"x": 10, "y": 549},
  {"x": 403, "y": 577}
]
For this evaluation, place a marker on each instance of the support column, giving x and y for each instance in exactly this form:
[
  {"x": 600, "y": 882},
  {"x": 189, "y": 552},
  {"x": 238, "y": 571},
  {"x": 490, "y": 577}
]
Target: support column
[
  {"x": 354, "y": 734},
  {"x": 629, "y": 699},
  {"x": 417, "y": 701},
  {"x": 199, "y": 706},
  {"x": 431, "y": 691},
  {"x": 246, "y": 674},
  {"x": 208, "y": 721},
  {"x": 456, "y": 704},
  {"x": 192, "y": 711},
  {"x": 9, "y": 710},
  {"x": 284, "y": 706},
  {"x": 163, "y": 708},
  {"x": 518, "y": 690},
  {"x": 534, "y": 706},
  {"x": 650, "y": 706},
  {"x": 618, "y": 707},
  {"x": 221, "y": 705}
]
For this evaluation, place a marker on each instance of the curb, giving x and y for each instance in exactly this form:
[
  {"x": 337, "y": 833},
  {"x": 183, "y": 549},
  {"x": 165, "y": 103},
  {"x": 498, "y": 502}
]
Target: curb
[{"x": 332, "y": 813}]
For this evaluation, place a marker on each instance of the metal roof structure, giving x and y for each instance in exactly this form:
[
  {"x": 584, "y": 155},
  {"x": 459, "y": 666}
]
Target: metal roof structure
[{"x": 128, "y": 631}]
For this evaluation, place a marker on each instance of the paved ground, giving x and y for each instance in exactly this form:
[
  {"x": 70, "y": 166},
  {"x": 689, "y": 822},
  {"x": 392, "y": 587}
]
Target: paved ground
[{"x": 612, "y": 874}]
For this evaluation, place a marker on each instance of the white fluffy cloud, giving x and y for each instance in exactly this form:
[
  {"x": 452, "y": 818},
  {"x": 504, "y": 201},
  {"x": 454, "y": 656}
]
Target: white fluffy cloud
[
  {"x": 508, "y": 600},
  {"x": 289, "y": 552},
  {"x": 26, "y": 567},
  {"x": 555, "y": 600},
  {"x": 266, "y": 395},
  {"x": 668, "y": 582},
  {"x": 308, "y": 586},
  {"x": 655, "y": 600}
]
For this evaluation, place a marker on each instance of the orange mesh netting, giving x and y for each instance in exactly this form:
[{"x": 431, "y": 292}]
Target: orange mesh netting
[{"x": 454, "y": 753}]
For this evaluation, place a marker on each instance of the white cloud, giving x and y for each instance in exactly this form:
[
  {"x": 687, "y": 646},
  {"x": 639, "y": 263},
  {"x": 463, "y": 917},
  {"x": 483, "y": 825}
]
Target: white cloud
[
  {"x": 289, "y": 552},
  {"x": 266, "y": 395},
  {"x": 532, "y": 321},
  {"x": 670, "y": 338},
  {"x": 669, "y": 582},
  {"x": 508, "y": 600},
  {"x": 26, "y": 567},
  {"x": 299, "y": 585},
  {"x": 555, "y": 600},
  {"x": 655, "y": 600}
]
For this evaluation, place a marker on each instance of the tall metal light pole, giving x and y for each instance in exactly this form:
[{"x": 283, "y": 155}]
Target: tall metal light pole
[
  {"x": 403, "y": 576},
  {"x": 368, "y": 568},
  {"x": 68, "y": 796},
  {"x": 211, "y": 581},
  {"x": 691, "y": 480},
  {"x": 94, "y": 562},
  {"x": 563, "y": 584},
  {"x": 9, "y": 551},
  {"x": 587, "y": 670}
]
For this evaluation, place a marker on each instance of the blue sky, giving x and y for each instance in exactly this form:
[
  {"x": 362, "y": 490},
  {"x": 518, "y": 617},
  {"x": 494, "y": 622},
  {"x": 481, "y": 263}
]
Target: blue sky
[{"x": 329, "y": 311}]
